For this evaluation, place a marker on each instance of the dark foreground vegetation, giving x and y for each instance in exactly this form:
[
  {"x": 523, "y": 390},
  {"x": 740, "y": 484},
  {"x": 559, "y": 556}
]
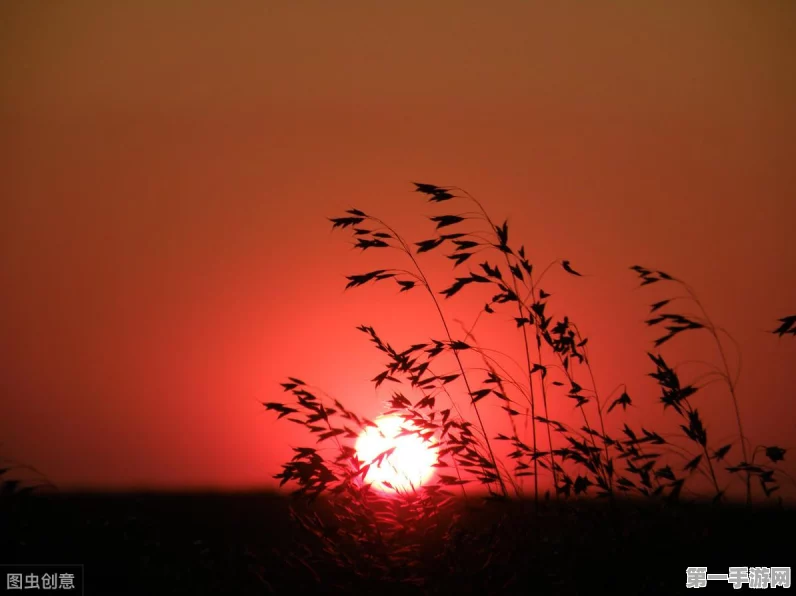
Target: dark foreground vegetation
[{"x": 248, "y": 544}]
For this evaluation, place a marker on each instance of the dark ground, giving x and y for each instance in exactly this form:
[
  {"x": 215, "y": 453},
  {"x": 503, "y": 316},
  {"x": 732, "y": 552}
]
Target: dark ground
[{"x": 238, "y": 544}]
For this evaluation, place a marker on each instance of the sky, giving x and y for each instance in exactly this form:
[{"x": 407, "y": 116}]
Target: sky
[{"x": 167, "y": 170}]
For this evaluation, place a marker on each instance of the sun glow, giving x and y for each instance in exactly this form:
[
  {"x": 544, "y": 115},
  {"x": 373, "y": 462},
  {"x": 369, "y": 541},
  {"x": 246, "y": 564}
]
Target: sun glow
[{"x": 408, "y": 466}]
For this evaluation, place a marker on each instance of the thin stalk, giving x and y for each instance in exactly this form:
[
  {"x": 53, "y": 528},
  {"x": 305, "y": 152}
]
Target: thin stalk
[
  {"x": 527, "y": 351},
  {"x": 599, "y": 411},
  {"x": 427, "y": 285},
  {"x": 730, "y": 384}
]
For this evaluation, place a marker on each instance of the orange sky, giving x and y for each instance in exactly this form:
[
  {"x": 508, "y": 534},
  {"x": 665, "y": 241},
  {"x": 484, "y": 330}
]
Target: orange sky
[{"x": 166, "y": 169}]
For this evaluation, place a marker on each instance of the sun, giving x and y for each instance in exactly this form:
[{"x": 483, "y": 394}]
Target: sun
[{"x": 407, "y": 467}]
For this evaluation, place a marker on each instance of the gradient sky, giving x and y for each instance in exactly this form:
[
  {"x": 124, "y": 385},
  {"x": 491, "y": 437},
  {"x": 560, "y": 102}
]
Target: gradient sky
[{"x": 166, "y": 169}]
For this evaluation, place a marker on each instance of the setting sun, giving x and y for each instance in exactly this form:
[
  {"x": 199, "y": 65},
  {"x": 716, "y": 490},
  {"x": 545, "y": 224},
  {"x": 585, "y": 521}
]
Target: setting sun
[{"x": 408, "y": 466}]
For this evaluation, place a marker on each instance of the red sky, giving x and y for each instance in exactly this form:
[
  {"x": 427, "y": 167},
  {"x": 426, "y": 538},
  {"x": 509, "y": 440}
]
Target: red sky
[{"x": 166, "y": 170}]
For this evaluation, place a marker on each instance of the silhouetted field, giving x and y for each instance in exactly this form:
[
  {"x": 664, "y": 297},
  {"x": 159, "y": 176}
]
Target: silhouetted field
[{"x": 248, "y": 544}]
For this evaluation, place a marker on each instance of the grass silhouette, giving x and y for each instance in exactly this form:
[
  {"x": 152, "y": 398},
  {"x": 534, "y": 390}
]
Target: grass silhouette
[
  {"x": 600, "y": 456},
  {"x": 20, "y": 479}
]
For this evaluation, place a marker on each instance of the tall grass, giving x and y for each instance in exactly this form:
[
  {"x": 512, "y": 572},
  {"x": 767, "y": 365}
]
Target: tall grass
[
  {"x": 595, "y": 454},
  {"x": 18, "y": 479}
]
